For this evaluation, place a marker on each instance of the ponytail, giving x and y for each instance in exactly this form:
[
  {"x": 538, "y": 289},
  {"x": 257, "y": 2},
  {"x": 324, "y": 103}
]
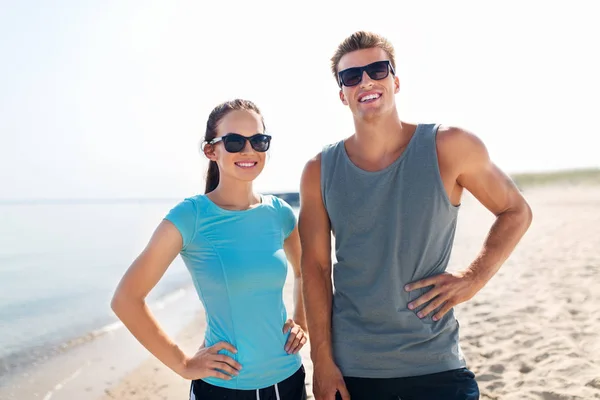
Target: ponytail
[{"x": 212, "y": 177}]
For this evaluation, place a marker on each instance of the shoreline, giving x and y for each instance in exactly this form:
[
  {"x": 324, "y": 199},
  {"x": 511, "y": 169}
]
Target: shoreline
[{"x": 94, "y": 362}]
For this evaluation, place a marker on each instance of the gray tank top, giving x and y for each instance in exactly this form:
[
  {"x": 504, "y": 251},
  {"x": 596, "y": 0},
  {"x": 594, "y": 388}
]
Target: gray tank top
[{"x": 391, "y": 227}]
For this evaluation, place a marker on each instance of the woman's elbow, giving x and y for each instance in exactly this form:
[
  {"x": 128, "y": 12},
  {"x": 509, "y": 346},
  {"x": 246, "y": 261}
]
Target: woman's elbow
[
  {"x": 122, "y": 301},
  {"x": 117, "y": 302}
]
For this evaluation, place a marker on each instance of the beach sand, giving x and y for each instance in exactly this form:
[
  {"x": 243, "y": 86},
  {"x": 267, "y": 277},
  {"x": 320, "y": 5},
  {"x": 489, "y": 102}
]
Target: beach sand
[{"x": 532, "y": 333}]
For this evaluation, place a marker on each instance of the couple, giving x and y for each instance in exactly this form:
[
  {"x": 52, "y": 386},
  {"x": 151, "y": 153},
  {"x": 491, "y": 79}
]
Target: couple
[{"x": 390, "y": 194}]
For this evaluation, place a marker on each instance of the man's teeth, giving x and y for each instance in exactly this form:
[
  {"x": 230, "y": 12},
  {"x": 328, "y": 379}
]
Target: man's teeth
[{"x": 369, "y": 97}]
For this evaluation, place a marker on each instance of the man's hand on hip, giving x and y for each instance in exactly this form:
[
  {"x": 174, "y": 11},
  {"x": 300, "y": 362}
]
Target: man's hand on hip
[{"x": 448, "y": 290}]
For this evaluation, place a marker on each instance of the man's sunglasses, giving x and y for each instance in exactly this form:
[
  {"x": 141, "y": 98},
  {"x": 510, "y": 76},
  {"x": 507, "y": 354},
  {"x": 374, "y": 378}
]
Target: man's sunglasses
[
  {"x": 234, "y": 142},
  {"x": 377, "y": 71}
]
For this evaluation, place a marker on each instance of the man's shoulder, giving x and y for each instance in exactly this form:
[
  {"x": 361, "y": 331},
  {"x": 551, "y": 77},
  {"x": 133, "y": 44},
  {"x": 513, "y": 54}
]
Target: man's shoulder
[
  {"x": 456, "y": 139},
  {"x": 312, "y": 168},
  {"x": 315, "y": 161},
  {"x": 457, "y": 148},
  {"x": 330, "y": 147}
]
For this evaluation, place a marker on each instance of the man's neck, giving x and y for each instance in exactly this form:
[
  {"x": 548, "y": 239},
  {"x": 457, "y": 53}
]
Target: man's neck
[{"x": 380, "y": 137}]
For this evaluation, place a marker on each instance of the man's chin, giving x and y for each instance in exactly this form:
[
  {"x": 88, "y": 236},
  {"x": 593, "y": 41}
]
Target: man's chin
[{"x": 370, "y": 114}]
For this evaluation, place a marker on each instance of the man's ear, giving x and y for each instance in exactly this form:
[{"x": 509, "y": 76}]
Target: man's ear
[
  {"x": 343, "y": 98},
  {"x": 396, "y": 85}
]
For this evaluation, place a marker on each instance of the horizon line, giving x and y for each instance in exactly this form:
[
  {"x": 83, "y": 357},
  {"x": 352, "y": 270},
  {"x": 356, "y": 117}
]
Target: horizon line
[{"x": 108, "y": 200}]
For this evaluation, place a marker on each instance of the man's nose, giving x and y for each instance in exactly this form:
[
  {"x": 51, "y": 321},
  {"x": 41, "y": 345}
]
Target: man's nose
[{"x": 366, "y": 80}]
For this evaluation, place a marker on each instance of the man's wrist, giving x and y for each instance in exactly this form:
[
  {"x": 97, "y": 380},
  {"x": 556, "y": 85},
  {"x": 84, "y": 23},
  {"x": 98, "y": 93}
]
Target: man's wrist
[
  {"x": 475, "y": 277},
  {"x": 321, "y": 353}
]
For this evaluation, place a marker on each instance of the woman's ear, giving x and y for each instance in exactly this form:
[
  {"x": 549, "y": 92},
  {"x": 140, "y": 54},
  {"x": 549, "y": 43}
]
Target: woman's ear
[{"x": 209, "y": 151}]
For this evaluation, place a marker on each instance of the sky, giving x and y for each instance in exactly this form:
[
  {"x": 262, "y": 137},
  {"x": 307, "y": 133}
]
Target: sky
[{"x": 109, "y": 99}]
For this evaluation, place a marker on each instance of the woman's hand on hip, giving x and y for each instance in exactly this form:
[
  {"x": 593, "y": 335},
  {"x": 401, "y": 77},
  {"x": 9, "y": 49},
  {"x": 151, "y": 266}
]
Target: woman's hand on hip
[
  {"x": 297, "y": 338},
  {"x": 207, "y": 362}
]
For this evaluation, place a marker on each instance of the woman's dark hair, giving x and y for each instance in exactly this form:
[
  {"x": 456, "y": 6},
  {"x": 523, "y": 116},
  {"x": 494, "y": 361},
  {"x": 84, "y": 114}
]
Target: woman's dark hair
[{"x": 215, "y": 117}]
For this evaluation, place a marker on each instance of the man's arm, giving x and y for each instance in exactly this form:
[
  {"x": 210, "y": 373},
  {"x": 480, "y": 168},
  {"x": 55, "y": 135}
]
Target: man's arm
[
  {"x": 464, "y": 156},
  {"x": 315, "y": 237}
]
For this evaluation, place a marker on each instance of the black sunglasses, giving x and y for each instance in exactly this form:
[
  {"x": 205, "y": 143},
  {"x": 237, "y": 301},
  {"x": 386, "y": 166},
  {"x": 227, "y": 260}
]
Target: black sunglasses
[
  {"x": 377, "y": 71},
  {"x": 234, "y": 142}
]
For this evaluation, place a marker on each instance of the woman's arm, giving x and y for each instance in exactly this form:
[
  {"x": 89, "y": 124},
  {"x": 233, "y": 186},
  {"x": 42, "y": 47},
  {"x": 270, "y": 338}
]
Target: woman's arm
[
  {"x": 297, "y": 325},
  {"x": 129, "y": 305},
  {"x": 293, "y": 253}
]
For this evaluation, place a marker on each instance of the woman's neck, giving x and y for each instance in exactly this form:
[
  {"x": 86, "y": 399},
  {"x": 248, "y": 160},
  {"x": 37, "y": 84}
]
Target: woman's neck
[{"x": 234, "y": 195}]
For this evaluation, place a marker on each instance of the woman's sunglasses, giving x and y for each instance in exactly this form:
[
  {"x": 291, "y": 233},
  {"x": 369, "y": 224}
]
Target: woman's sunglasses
[
  {"x": 234, "y": 142},
  {"x": 377, "y": 71}
]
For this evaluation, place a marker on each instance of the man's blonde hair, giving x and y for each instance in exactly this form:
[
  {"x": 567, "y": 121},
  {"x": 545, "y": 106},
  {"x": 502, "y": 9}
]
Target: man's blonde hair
[{"x": 358, "y": 41}]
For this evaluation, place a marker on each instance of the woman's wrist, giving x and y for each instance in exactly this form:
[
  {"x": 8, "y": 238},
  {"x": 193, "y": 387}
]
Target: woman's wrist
[
  {"x": 180, "y": 367},
  {"x": 302, "y": 322}
]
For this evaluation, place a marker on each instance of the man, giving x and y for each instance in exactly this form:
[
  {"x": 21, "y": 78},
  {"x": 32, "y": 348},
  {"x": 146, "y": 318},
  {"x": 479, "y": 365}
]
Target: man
[{"x": 390, "y": 195}]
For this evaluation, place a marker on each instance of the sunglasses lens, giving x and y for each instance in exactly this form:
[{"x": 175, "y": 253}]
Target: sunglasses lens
[
  {"x": 260, "y": 143},
  {"x": 351, "y": 76},
  {"x": 234, "y": 143},
  {"x": 378, "y": 70}
]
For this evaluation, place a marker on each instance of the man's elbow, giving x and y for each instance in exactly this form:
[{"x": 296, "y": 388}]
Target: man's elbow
[
  {"x": 525, "y": 215},
  {"x": 529, "y": 215},
  {"x": 311, "y": 267},
  {"x": 519, "y": 214}
]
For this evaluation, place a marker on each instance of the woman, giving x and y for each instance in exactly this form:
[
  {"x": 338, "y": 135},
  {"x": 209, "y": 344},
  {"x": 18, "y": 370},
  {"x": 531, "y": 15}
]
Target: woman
[{"x": 235, "y": 244}]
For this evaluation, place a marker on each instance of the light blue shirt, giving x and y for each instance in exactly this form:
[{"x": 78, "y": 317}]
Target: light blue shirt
[{"x": 238, "y": 266}]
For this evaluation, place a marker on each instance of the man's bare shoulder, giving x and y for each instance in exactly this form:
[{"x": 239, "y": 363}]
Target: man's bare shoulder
[
  {"x": 457, "y": 145},
  {"x": 315, "y": 160},
  {"x": 312, "y": 171},
  {"x": 452, "y": 136}
]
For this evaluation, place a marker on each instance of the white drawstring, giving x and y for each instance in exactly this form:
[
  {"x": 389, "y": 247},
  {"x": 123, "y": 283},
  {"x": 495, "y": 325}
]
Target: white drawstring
[
  {"x": 192, "y": 395},
  {"x": 277, "y": 392}
]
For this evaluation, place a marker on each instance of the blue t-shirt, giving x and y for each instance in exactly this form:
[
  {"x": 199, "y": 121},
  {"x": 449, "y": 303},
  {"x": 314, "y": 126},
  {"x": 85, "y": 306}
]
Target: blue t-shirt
[{"x": 238, "y": 266}]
